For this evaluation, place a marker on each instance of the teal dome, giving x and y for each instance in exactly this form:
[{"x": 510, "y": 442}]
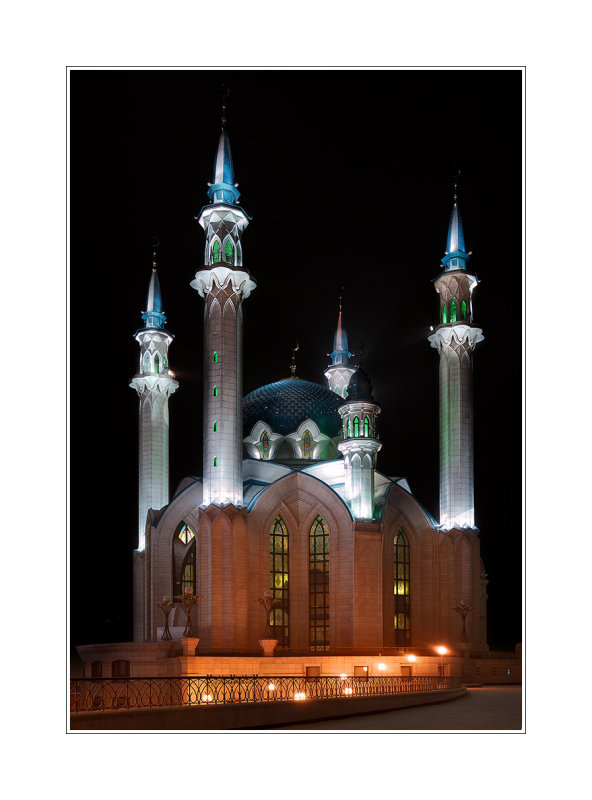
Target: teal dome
[{"x": 283, "y": 405}]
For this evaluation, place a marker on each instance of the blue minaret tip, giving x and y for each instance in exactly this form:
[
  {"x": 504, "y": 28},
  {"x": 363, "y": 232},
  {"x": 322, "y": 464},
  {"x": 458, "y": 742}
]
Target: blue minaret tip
[
  {"x": 154, "y": 316},
  {"x": 456, "y": 255},
  {"x": 340, "y": 354},
  {"x": 223, "y": 189}
]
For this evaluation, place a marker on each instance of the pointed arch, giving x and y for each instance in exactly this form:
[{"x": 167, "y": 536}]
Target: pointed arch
[
  {"x": 356, "y": 427},
  {"x": 156, "y": 364},
  {"x": 147, "y": 366},
  {"x": 215, "y": 251},
  {"x": 229, "y": 250},
  {"x": 402, "y": 586},
  {"x": 453, "y": 310},
  {"x": 463, "y": 308},
  {"x": 318, "y": 585},
  {"x": 366, "y": 427},
  {"x": 278, "y": 581},
  {"x": 444, "y": 317}
]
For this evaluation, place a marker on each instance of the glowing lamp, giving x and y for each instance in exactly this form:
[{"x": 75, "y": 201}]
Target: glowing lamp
[
  {"x": 343, "y": 676},
  {"x": 348, "y": 690},
  {"x": 271, "y": 687},
  {"x": 207, "y": 698},
  {"x": 411, "y": 658},
  {"x": 365, "y": 669},
  {"x": 299, "y": 696},
  {"x": 382, "y": 667},
  {"x": 441, "y": 650}
]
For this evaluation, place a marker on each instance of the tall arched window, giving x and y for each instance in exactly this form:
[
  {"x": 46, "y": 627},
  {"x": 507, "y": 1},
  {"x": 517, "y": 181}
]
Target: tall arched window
[
  {"x": 215, "y": 391},
  {"x": 216, "y": 252},
  {"x": 463, "y": 308},
  {"x": 184, "y": 560},
  {"x": 278, "y": 581},
  {"x": 263, "y": 445},
  {"x": 188, "y": 580},
  {"x": 356, "y": 427},
  {"x": 164, "y": 363},
  {"x": 229, "y": 252},
  {"x": 215, "y": 426},
  {"x": 318, "y": 585},
  {"x": 402, "y": 619},
  {"x": 453, "y": 311},
  {"x": 215, "y": 461},
  {"x": 156, "y": 364},
  {"x": 307, "y": 444},
  {"x": 215, "y": 356},
  {"x": 366, "y": 427},
  {"x": 444, "y": 318},
  {"x": 146, "y": 362}
]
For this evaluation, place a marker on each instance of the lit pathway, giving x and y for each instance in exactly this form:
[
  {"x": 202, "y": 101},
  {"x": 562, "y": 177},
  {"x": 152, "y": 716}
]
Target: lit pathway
[{"x": 483, "y": 708}]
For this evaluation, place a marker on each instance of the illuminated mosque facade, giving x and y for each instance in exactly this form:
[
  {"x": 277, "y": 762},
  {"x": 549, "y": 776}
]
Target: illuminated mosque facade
[{"x": 290, "y": 502}]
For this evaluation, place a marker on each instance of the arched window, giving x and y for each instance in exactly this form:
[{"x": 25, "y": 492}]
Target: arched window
[
  {"x": 229, "y": 252},
  {"x": 263, "y": 445},
  {"x": 444, "y": 314},
  {"x": 120, "y": 668},
  {"x": 318, "y": 585},
  {"x": 188, "y": 573},
  {"x": 186, "y": 534},
  {"x": 366, "y": 427},
  {"x": 348, "y": 430},
  {"x": 216, "y": 252},
  {"x": 307, "y": 444},
  {"x": 215, "y": 391},
  {"x": 156, "y": 364},
  {"x": 164, "y": 363},
  {"x": 146, "y": 362},
  {"x": 453, "y": 311},
  {"x": 463, "y": 308},
  {"x": 356, "y": 427},
  {"x": 215, "y": 461},
  {"x": 215, "y": 426},
  {"x": 215, "y": 356},
  {"x": 402, "y": 620},
  {"x": 278, "y": 581}
]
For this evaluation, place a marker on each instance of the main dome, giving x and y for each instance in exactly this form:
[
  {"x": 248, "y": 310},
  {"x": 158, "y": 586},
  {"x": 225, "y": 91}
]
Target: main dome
[{"x": 285, "y": 404}]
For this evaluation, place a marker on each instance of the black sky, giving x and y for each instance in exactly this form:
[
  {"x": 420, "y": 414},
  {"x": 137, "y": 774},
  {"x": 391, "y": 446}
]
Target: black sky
[{"x": 347, "y": 176}]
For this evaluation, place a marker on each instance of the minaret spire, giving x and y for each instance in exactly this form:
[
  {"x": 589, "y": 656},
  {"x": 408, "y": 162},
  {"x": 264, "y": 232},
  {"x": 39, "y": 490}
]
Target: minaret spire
[
  {"x": 455, "y": 338},
  {"x": 154, "y": 383},
  {"x": 339, "y": 372},
  {"x": 224, "y": 285}
]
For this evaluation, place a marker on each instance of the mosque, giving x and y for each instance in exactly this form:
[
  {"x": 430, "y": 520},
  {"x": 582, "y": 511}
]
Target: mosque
[{"x": 291, "y": 517}]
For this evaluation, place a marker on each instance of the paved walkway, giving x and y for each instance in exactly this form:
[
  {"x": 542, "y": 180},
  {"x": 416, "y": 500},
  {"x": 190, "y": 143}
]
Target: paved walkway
[{"x": 486, "y": 708}]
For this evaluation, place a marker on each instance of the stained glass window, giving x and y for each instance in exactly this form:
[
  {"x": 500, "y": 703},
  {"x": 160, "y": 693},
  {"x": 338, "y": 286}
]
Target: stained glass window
[
  {"x": 463, "y": 308},
  {"x": 229, "y": 252},
  {"x": 156, "y": 363},
  {"x": 216, "y": 251},
  {"x": 402, "y": 620},
  {"x": 215, "y": 356},
  {"x": 318, "y": 583},
  {"x": 307, "y": 444},
  {"x": 278, "y": 581},
  {"x": 186, "y": 534},
  {"x": 444, "y": 314},
  {"x": 366, "y": 427},
  {"x": 453, "y": 311},
  {"x": 188, "y": 573},
  {"x": 215, "y": 426},
  {"x": 215, "y": 461},
  {"x": 215, "y": 391},
  {"x": 263, "y": 445},
  {"x": 356, "y": 427}
]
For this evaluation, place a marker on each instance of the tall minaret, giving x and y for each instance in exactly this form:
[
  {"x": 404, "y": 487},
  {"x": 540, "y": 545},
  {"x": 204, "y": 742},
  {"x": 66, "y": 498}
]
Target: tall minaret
[
  {"x": 338, "y": 372},
  {"x": 153, "y": 383},
  {"x": 455, "y": 338},
  {"x": 224, "y": 285},
  {"x": 359, "y": 444}
]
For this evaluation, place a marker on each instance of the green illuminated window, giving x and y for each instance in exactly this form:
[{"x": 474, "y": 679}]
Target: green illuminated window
[
  {"x": 229, "y": 252},
  {"x": 401, "y": 587},
  {"x": 215, "y": 461},
  {"x": 453, "y": 311},
  {"x": 215, "y": 426},
  {"x": 164, "y": 362},
  {"x": 216, "y": 251},
  {"x": 215, "y": 356},
  {"x": 463, "y": 308},
  {"x": 215, "y": 391},
  {"x": 278, "y": 581},
  {"x": 318, "y": 585},
  {"x": 356, "y": 427},
  {"x": 156, "y": 364},
  {"x": 366, "y": 427},
  {"x": 444, "y": 314}
]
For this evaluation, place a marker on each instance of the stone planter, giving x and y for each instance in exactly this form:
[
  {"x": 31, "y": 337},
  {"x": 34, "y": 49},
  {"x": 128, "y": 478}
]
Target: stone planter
[
  {"x": 189, "y": 644},
  {"x": 268, "y": 646}
]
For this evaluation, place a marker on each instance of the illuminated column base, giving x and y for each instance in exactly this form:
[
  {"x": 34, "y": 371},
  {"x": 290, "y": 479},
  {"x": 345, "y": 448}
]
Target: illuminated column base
[{"x": 359, "y": 457}]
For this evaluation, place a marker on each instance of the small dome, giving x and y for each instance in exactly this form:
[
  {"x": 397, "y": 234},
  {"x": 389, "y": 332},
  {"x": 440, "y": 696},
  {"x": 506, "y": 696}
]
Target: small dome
[
  {"x": 285, "y": 404},
  {"x": 359, "y": 387}
]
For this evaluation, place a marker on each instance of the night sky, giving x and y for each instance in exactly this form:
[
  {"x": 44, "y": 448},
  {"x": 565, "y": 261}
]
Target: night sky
[{"x": 347, "y": 176}]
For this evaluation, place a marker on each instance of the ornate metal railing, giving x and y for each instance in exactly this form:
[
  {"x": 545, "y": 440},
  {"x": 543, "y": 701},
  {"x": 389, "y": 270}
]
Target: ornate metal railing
[{"x": 109, "y": 694}]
